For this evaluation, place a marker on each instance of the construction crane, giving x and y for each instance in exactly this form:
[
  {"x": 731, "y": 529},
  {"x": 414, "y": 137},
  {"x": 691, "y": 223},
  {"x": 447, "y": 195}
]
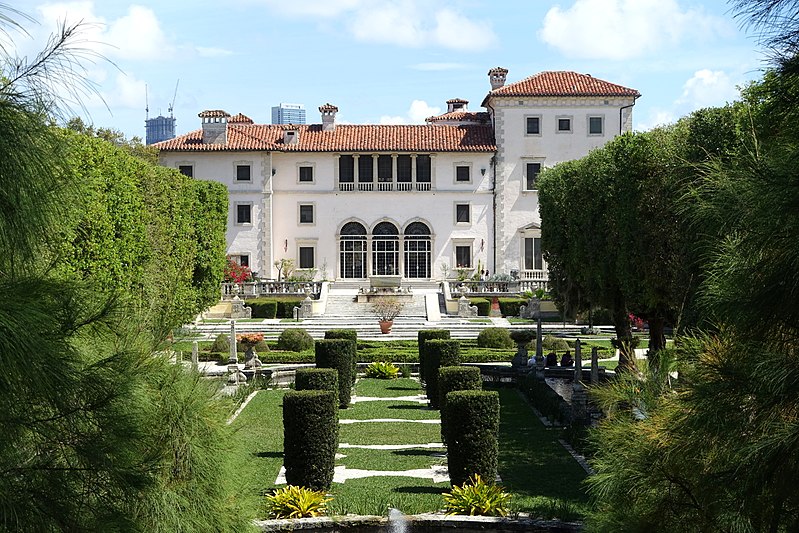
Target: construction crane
[
  {"x": 174, "y": 97},
  {"x": 146, "y": 104}
]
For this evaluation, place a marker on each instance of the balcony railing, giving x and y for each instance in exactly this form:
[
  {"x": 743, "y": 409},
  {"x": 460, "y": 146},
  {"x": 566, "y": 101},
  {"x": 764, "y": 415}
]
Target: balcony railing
[
  {"x": 385, "y": 186},
  {"x": 265, "y": 288}
]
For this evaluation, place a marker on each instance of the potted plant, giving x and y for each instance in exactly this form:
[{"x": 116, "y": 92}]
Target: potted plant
[{"x": 387, "y": 308}]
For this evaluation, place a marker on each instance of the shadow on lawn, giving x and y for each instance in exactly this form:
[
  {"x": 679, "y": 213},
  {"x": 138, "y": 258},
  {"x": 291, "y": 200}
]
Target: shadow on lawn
[
  {"x": 420, "y": 490},
  {"x": 407, "y": 387},
  {"x": 420, "y": 406},
  {"x": 426, "y": 453},
  {"x": 278, "y": 455}
]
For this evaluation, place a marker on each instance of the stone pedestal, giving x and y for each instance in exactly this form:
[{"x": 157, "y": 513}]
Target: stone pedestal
[
  {"x": 234, "y": 356},
  {"x": 238, "y": 310},
  {"x": 195, "y": 358},
  {"x": 579, "y": 394},
  {"x": 465, "y": 310},
  {"x": 594, "y": 365}
]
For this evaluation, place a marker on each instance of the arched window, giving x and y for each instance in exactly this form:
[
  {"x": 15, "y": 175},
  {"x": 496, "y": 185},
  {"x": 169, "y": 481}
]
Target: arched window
[
  {"x": 385, "y": 250},
  {"x": 417, "y": 250},
  {"x": 352, "y": 251}
]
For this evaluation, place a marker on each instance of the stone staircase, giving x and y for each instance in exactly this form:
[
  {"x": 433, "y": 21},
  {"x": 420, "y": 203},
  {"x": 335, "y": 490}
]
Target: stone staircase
[{"x": 345, "y": 305}]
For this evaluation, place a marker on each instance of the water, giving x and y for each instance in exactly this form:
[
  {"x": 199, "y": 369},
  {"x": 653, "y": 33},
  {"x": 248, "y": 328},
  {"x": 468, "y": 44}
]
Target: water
[
  {"x": 562, "y": 386},
  {"x": 397, "y": 523}
]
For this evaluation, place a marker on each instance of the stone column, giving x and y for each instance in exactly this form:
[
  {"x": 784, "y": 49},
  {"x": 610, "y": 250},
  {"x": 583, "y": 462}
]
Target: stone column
[
  {"x": 594, "y": 365},
  {"x": 234, "y": 357},
  {"x": 194, "y": 355}
]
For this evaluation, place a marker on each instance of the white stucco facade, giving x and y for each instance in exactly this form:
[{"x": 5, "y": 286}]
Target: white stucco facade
[{"x": 354, "y": 201}]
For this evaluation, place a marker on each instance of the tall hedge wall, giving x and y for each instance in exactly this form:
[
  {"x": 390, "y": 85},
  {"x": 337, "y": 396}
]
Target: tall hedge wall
[
  {"x": 452, "y": 378},
  {"x": 472, "y": 435},
  {"x": 144, "y": 231},
  {"x": 317, "y": 379},
  {"x": 338, "y": 354},
  {"x": 423, "y": 336},
  {"x": 438, "y": 353},
  {"x": 310, "y": 438},
  {"x": 352, "y": 335}
]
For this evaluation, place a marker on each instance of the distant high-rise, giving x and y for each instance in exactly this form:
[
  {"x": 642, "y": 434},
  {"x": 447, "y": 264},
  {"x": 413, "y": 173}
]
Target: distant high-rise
[
  {"x": 288, "y": 114},
  {"x": 159, "y": 129}
]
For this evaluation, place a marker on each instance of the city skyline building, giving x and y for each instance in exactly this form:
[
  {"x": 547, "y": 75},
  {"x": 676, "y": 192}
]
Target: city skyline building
[{"x": 288, "y": 114}]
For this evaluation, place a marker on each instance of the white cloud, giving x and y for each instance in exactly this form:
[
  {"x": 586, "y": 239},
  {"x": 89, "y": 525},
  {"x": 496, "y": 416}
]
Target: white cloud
[
  {"x": 707, "y": 88},
  {"x": 657, "y": 117},
  {"x": 138, "y": 35},
  {"x": 204, "y": 51},
  {"x": 128, "y": 92},
  {"x": 314, "y": 8},
  {"x": 417, "y": 112},
  {"x": 455, "y": 31},
  {"x": 388, "y": 23},
  {"x": 623, "y": 29}
]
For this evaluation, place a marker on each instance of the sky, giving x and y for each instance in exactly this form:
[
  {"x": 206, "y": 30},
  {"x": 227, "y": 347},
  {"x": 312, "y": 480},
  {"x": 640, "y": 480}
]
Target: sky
[{"x": 389, "y": 61}]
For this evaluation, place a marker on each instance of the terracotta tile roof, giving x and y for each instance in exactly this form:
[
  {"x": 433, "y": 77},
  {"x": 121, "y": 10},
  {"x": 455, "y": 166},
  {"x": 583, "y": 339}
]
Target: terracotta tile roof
[
  {"x": 344, "y": 138},
  {"x": 461, "y": 116},
  {"x": 240, "y": 119},
  {"x": 210, "y": 113},
  {"x": 563, "y": 83}
]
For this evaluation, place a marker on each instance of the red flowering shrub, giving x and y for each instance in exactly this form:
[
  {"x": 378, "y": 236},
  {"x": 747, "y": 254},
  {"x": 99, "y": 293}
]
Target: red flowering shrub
[
  {"x": 236, "y": 273},
  {"x": 250, "y": 338},
  {"x": 638, "y": 323}
]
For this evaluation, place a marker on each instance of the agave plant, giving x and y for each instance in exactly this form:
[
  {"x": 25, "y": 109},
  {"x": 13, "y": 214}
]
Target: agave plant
[
  {"x": 382, "y": 370},
  {"x": 296, "y": 502},
  {"x": 477, "y": 498}
]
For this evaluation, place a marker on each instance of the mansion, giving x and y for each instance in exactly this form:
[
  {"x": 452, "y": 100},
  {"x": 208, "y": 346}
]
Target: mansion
[{"x": 417, "y": 201}]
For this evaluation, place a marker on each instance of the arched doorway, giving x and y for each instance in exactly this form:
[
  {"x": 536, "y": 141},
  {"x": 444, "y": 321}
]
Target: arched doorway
[
  {"x": 352, "y": 251},
  {"x": 385, "y": 250},
  {"x": 417, "y": 250}
]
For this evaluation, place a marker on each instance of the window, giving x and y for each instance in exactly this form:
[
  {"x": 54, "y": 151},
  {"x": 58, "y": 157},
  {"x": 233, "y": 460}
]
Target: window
[
  {"x": 243, "y": 260},
  {"x": 533, "y": 125},
  {"x": 564, "y": 124},
  {"x": 365, "y": 168},
  {"x": 243, "y": 214},
  {"x": 423, "y": 168},
  {"x": 306, "y": 257},
  {"x": 463, "y": 257},
  {"x": 186, "y": 170},
  {"x": 306, "y": 213},
  {"x": 462, "y": 213},
  {"x": 385, "y": 168},
  {"x": 533, "y": 259},
  {"x": 403, "y": 168},
  {"x": 531, "y": 175},
  {"x": 306, "y": 174},
  {"x": 243, "y": 173},
  {"x": 595, "y": 125},
  {"x": 346, "y": 169},
  {"x": 463, "y": 174}
]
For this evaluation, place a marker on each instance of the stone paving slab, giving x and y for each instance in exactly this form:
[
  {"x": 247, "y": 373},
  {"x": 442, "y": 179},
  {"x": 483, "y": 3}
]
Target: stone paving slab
[{"x": 351, "y": 421}]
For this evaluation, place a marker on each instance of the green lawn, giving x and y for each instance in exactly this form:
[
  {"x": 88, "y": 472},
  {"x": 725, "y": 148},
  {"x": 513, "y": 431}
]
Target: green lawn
[{"x": 539, "y": 473}]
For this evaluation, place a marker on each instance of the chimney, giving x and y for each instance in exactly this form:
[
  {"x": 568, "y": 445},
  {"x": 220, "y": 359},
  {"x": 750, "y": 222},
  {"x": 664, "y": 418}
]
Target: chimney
[
  {"x": 497, "y": 77},
  {"x": 456, "y": 104},
  {"x": 291, "y": 134},
  {"x": 214, "y": 126},
  {"x": 328, "y": 117}
]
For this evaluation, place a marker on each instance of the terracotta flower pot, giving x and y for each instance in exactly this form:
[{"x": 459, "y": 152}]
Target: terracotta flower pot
[{"x": 385, "y": 326}]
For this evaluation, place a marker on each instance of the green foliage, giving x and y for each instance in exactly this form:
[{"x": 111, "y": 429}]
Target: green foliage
[
  {"x": 483, "y": 306},
  {"x": 452, "y": 378},
  {"x": 438, "y": 353},
  {"x": 350, "y": 334},
  {"x": 317, "y": 379},
  {"x": 295, "y": 340},
  {"x": 296, "y": 502},
  {"x": 423, "y": 336},
  {"x": 382, "y": 370},
  {"x": 338, "y": 354},
  {"x": 310, "y": 438},
  {"x": 510, "y": 306},
  {"x": 472, "y": 429},
  {"x": 552, "y": 343},
  {"x": 477, "y": 498},
  {"x": 285, "y": 307},
  {"x": 221, "y": 344},
  {"x": 495, "y": 338},
  {"x": 263, "y": 308}
]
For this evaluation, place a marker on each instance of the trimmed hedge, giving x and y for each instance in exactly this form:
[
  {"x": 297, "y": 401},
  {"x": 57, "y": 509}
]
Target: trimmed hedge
[
  {"x": 438, "y": 353},
  {"x": 285, "y": 308},
  {"x": 495, "y": 338},
  {"x": 452, "y": 378},
  {"x": 295, "y": 340},
  {"x": 424, "y": 335},
  {"x": 483, "y": 305},
  {"x": 352, "y": 335},
  {"x": 338, "y": 354},
  {"x": 510, "y": 306},
  {"x": 221, "y": 344},
  {"x": 310, "y": 438},
  {"x": 472, "y": 435},
  {"x": 263, "y": 308},
  {"x": 316, "y": 379}
]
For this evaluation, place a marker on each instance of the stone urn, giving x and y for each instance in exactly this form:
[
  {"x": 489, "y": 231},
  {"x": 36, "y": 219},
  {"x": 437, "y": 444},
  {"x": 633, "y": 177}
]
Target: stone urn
[{"x": 522, "y": 338}]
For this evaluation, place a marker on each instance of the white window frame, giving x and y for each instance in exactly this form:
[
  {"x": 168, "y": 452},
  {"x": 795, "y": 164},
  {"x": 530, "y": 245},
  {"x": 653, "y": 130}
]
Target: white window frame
[
  {"x": 530, "y": 234},
  {"x": 236, "y": 214},
  {"x": 236, "y": 165},
  {"x": 570, "y": 118},
  {"x": 455, "y": 213},
  {"x": 299, "y": 211},
  {"x": 455, "y": 166},
  {"x": 525, "y": 162},
  {"x": 313, "y": 172},
  {"x": 588, "y": 125},
  {"x": 463, "y": 243},
  {"x": 540, "y": 124}
]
